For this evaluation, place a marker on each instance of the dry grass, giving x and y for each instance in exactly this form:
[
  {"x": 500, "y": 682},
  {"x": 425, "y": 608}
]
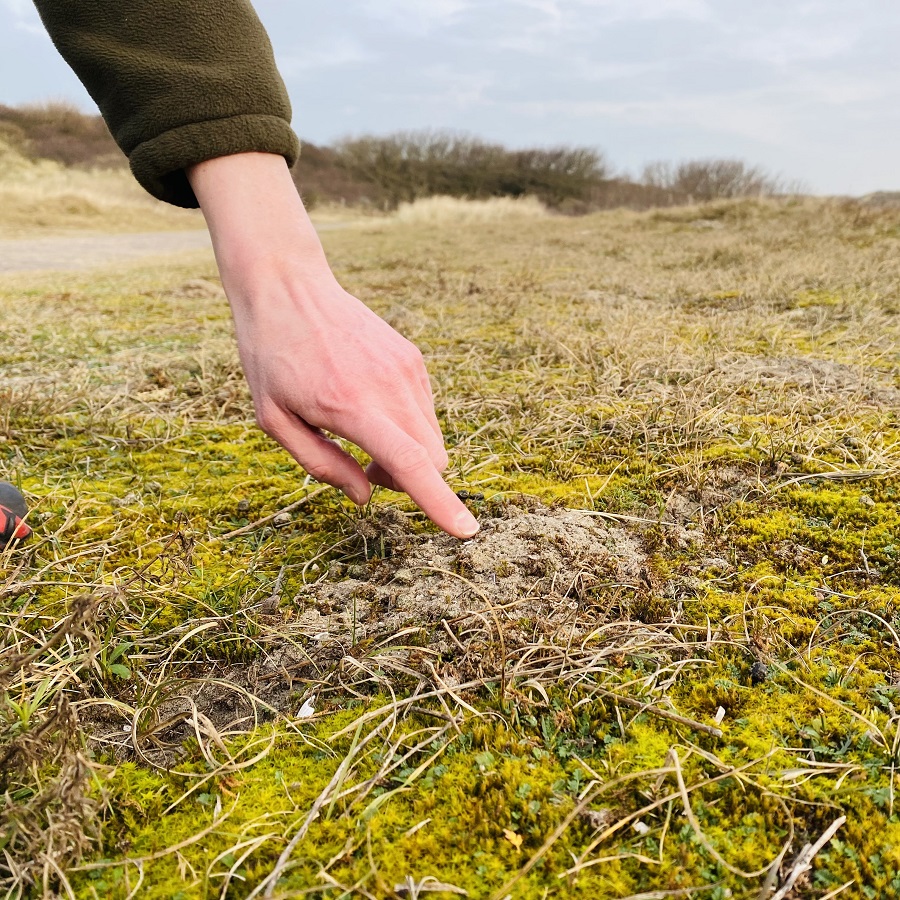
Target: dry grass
[
  {"x": 38, "y": 197},
  {"x": 440, "y": 210},
  {"x": 46, "y": 779},
  {"x": 715, "y": 388}
]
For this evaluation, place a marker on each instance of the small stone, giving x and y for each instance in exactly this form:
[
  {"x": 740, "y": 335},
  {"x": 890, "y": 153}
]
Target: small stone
[
  {"x": 866, "y": 500},
  {"x": 759, "y": 672},
  {"x": 127, "y": 500},
  {"x": 598, "y": 818},
  {"x": 243, "y": 506},
  {"x": 360, "y": 573},
  {"x": 153, "y": 487},
  {"x": 282, "y": 519},
  {"x": 269, "y": 606}
]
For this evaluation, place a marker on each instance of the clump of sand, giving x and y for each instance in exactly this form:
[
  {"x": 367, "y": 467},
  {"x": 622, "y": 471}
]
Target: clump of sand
[{"x": 539, "y": 565}]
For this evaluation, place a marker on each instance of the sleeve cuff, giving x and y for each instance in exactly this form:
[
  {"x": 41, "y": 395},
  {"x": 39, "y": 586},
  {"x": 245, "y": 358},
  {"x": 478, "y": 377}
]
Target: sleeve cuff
[{"x": 159, "y": 164}]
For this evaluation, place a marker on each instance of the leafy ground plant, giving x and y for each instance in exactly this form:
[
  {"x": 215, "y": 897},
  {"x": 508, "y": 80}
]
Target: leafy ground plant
[{"x": 666, "y": 667}]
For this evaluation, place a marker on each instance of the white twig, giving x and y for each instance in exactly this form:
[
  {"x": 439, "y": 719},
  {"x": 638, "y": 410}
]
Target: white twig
[{"x": 803, "y": 862}]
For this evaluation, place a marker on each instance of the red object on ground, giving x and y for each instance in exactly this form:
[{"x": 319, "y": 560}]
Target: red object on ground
[{"x": 12, "y": 514}]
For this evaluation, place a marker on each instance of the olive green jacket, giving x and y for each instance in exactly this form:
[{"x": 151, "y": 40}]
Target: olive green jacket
[{"x": 177, "y": 81}]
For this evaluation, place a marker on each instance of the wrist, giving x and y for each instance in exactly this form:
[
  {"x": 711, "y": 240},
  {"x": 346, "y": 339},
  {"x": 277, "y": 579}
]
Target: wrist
[{"x": 256, "y": 219}]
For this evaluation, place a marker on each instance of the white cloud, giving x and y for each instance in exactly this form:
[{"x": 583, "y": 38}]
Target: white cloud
[
  {"x": 755, "y": 120},
  {"x": 25, "y": 17},
  {"x": 783, "y": 114},
  {"x": 417, "y": 16},
  {"x": 796, "y": 39},
  {"x": 607, "y": 10},
  {"x": 343, "y": 51},
  {"x": 546, "y": 27},
  {"x": 460, "y": 90},
  {"x": 591, "y": 70},
  {"x": 649, "y": 10}
]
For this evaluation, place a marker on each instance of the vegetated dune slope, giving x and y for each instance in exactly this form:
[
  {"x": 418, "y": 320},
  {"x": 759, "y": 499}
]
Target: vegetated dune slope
[{"x": 41, "y": 196}]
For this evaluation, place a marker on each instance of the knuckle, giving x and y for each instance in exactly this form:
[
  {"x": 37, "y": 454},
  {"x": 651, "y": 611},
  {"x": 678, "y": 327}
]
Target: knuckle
[
  {"x": 408, "y": 459},
  {"x": 410, "y": 357},
  {"x": 416, "y": 360},
  {"x": 330, "y": 401},
  {"x": 267, "y": 420},
  {"x": 321, "y": 471}
]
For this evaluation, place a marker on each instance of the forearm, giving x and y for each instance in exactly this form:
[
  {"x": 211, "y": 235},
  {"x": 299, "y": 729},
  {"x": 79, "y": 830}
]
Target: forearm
[{"x": 191, "y": 94}]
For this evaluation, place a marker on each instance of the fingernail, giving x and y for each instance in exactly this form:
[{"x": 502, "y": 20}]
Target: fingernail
[{"x": 466, "y": 524}]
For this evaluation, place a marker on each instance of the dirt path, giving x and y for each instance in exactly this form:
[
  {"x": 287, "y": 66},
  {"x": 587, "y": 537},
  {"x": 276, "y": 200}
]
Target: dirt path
[{"x": 87, "y": 251}]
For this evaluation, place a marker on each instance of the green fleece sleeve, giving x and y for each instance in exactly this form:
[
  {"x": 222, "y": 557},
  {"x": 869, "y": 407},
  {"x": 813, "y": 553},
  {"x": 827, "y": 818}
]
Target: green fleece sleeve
[{"x": 177, "y": 81}]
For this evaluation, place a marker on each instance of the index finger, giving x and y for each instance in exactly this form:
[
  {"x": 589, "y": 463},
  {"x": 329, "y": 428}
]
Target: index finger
[{"x": 411, "y": 468}]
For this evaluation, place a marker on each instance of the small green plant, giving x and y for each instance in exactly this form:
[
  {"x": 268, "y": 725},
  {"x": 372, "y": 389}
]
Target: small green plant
[
  {"x": 21, "y": 714},
  {"x": 114, "y": 660}
]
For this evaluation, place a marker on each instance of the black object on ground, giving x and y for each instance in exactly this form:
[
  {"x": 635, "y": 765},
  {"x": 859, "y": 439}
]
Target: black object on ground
[{"x": 758, "y": 672}]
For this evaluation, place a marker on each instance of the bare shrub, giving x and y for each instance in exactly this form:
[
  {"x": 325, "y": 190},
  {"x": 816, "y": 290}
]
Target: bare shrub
[
  {"x": 408, "y": 165},
  {"x": 700, "y": 180},
  {"x": 321, "y": 178},
  {"x": 61, "y": 132},
  {"x": 382, "y": 172}
]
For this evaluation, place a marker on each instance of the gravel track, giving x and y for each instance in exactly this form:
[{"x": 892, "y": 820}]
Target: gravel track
[{"x": 88, "y": 251}]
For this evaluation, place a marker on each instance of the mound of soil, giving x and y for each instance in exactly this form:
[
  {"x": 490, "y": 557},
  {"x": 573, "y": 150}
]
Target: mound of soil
[{"x": 541, "y": 566}]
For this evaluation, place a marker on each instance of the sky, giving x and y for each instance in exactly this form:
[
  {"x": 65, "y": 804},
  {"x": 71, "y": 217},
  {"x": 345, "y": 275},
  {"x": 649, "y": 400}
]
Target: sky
[{"x": 807, "y": 89}]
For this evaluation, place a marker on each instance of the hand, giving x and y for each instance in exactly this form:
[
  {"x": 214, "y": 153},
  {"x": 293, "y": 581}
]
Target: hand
[{"x": 315, "y": 357}]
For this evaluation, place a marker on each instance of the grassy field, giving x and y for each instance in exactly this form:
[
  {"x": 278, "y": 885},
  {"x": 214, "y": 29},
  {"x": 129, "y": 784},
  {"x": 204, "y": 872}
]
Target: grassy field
[{"x": 667, "y": 666}]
